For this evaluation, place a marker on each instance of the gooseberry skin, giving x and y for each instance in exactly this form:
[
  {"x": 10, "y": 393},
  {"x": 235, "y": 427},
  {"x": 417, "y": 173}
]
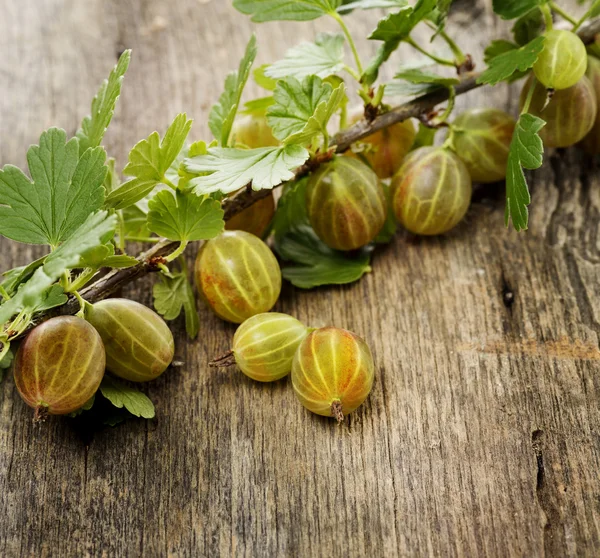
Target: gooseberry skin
[
  {"x": 253, "y": 131},
  {"x": 332, "y": 366},
  {"x": 431, "y": 193},
  {"x": 264, "y": 345},
  {"x": 238, "y": 276},
  {"x": 591, "y": 142},
  {"x": 482, "y": 142},
  {"x": 59, "y": 365},
  {"x": 254, "y": 219},
  {"x": 139, "y": 344},
  {"x": 563, "y": 60},
  {"x": 569, "y": 114},
  {"x": 346, "y": 203},
  {"x": 386, "y": 149}
]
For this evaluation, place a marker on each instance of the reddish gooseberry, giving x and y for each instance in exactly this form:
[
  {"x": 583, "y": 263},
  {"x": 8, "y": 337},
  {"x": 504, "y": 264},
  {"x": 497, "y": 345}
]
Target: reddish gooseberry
[
  {"x": 562, "y": 62},
  {"x": 139, "y": 344},
  {"x": 346, "y": 203},
  {"x": 254, "y": 219},
  {"x": 431, "y": 191},
  {"x": 238, "y": 275},
  {"x": 569, "y": 114},
  {"x": 332, "y": 372},
  {"x": 482, "y": 140},
  {"x": 59, "y": 365}
]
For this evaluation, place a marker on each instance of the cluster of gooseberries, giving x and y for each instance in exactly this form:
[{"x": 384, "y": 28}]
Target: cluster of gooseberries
[{"x": 60, "y": 364}]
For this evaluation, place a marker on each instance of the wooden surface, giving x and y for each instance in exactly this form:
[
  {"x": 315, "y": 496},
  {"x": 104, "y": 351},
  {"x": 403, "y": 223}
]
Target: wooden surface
[{"x": 481, "y": 436}]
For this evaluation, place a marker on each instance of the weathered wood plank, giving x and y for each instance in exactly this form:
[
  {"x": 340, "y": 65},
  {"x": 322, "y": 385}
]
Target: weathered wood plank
[{"x": 481, "y": 435}]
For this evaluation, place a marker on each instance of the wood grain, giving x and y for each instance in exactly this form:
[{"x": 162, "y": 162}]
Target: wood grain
[{"x": 481, "y": 435}]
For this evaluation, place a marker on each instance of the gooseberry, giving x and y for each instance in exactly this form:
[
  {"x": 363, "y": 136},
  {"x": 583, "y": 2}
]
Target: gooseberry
[
  {"x": 264, "y": 346},
  {"x": 346, "y": 203},
  {"x": 253, "y": 131},
  {"x": 332, "y": 372},
  {"x": 569, "y": 114},
  {"x": 563, "y": 60},
  {"x": 482, "y": 139},
  {"x": 254, "y": 219},
  {"x": 59, "y": 365},
  {"x": 385, "y": 150},
  {"x": 238, "y": 275},
  {"x": 591, "y": 142},
  {"x": 431, "y": 191},
  {"x": 139, "y": 344}
]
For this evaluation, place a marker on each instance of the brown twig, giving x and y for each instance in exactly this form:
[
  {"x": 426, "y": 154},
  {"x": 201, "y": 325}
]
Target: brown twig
[{"x": 116, "y": 279}]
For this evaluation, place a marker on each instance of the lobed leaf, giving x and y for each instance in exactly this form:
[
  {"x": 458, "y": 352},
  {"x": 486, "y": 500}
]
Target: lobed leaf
[
  {"x": 526, "y": 151},
  {"x": 348, "y": 6},
  {"x": 511, "y": 9},
  {"x": 94, "y": 126},
  {"x": 528, "y": 27},
  {"x": 125, "y": 396},
  {"x": 65, "y": 189},
  {"x": 282, "y": 10},
  {"x": 171, "y": 295}
]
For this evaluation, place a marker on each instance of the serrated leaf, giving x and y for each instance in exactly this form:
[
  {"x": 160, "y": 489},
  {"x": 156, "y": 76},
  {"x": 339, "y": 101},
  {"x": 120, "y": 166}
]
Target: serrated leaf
[
  {"x": 370, "y": 5},
  {"x": 528, "y": 27},
  {"x": 526, "y": 151},
  {"x": 97, "y": 230},
  {"x": 172, "y": 294},
  {"x": 125, "y": 396},
  {"x": 104, "y": 256},
  {"x": 503, "y": 66},
  {"x": 149, "y": 162},
  {"x": 64, "y": 190},
  {"x": 402, "y": 88},
  {"x": 511, "y": 9},
  {"x": 418, "y": 76},
  {"x": 51, "y": 298},
  {"x": 322, "y": 58},
  {"x": 232, "y": 169},
  {"x": 184, "y": 216},
  {"x": 222, "y": 114},
  {"x": 15, "y": 277},
  {"x": 286, "y": 10},
  {"x": 94, "y": 126},
  {"x": 392, "y": 30},
  {"x": 315, "y": 263}
]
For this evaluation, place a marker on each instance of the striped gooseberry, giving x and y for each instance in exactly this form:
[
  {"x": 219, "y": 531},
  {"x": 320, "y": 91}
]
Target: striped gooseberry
[
  {"x": 431, "y": 192},
  {"x": 254, "y": 219},
  {"x": 238, "y": 275},
  {"x": 332, "y": 372},
  {"x": 253, "y": 131},
  {"x": 59, "y": 365},
  {"x": 139, "y": 344},
  {"x": 264, "y": 346},
  {"x": 346, "y": 203},
  {"x": 563, "y": 60},
  {"x": 482, "y": 139},
  {"x": 385, "y": 150},
  {"x": 591, "y": 142},
  {"x": 569, "y": 114}
]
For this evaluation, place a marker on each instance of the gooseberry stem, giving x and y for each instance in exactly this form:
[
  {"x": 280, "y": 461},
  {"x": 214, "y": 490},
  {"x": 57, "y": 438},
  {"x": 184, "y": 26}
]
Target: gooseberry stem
[
  {"x": 437, "y": 59},
  {"x": 81, "y": 281},
  {"x": 178, "y": 252},
  {"x": 5, "y": 348},
  {"x": 168, "y": 183},
  {"x": 350, "y": 40},
  {"x": 451, "y": 100},
  {"x": 562, "y": 13},
  {"x": 336, "y": 411},
  {"x": 547, "y": 16},
  {"x": 584, "y": 17},
  {"x": 142, "y": 239},
  {"x": 83, "y": 305},
  {"x": 527, "y": 102},
  {"x": 223, "y": 361},
  {"x": 3, "y": 293},
  {"x": 122, "y": 237}
]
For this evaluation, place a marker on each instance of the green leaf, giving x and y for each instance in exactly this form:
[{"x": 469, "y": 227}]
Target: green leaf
[
  {"x": 222, "y": 114},
  {"x": 97, "y": 230},
  {"x": 370, "y": 5},
  {"x": 103, "y": 106},
  {"x": 390, "y": 226},
  {"x": 171, "y": 295},
  {"x": 51, "y": 298},
  {"x": 424, "y": 138},
  {"x": 402, "y": 88},
  {"x": 322, "y": 58},
  {"x": 504, "y": 66},
  {"x": 296, "y": 242},
  {"x": 418, "y": 76},
  {"x": 64, "y": 191},
  {"x": 528, "y": 27},
  {"x": 232, "y": 169},
  {"x": 149, "y": 162},
  {"x": 526, "y": 151},
  {"x": 104, "y": 256},
  {"x": 184, "y": 216},
  {"x": 439, "y": 15},
  {"x": 86, "y": 407},
  {"x": 125, "y": 396},
  {"x": 498, "y": 47},
  {"x": 511, "y": 9},
  {"x": 286, "y": 10},
  {"x": 6, "y": 360},
  {"x": 302, "y": 110},
  {"x": 392, "y": 30},
  {"x": 15, "y": 277},
  {"x": 112, "y": 180},
  {"x": 262, "y": 80},
  {"x": 258, "y": 106}
]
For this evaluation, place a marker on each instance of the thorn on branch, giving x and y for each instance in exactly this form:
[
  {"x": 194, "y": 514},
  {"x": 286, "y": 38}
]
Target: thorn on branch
[{"x": 467, "y": 66}]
